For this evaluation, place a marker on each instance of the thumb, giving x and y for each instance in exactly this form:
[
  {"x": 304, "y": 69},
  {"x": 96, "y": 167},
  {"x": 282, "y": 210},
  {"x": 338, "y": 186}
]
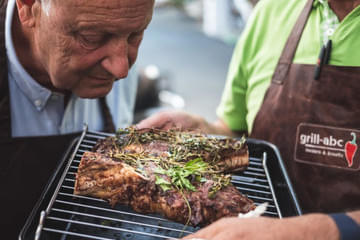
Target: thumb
[
  {"x": 154, "y": 121},
  {"x": 146, "y": 123}
]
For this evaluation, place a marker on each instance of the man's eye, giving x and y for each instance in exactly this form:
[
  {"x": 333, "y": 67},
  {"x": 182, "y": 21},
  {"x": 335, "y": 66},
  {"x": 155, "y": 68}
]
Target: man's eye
[{"x": 91, "y": 41}]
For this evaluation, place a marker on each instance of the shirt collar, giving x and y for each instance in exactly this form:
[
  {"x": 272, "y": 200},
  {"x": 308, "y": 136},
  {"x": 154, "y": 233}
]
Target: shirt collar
[
  {"x": 37, "y": 94},
  {"x": 319, "y": 2}
]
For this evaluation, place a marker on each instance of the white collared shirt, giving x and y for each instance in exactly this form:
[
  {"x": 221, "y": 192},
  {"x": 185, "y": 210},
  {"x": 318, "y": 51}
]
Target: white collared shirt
[{"x": 37, "y": 111}]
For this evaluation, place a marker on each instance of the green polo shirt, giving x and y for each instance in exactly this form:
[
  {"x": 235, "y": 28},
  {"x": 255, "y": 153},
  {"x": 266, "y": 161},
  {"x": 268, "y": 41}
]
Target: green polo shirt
[{"x": 260, "y": 45}]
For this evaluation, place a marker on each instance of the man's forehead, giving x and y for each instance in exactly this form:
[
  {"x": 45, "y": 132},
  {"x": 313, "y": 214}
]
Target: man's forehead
[
  {"x": 111, "y": 9},
  {"x": 108, "y": 4},
  {"x": 83, "y": 13}
]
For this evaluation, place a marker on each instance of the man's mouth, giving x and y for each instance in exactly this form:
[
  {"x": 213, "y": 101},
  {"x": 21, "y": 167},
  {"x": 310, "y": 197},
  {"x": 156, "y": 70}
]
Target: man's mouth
[{"x": 102, "y": 78}]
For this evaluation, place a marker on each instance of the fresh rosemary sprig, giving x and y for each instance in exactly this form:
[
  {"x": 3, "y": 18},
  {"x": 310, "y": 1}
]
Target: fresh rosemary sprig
[{"x": 184, "y": 164}]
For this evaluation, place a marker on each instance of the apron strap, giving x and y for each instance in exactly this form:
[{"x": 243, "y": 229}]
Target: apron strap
[
  {"x": 5, "y": 121},
  {"x": 109, "y": 125},
  {"x": 289, "y": 50}
]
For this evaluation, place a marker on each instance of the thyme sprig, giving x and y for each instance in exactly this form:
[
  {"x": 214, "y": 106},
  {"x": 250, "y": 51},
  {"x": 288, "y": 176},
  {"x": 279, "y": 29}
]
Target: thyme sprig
[{"x": 184, "y": 164}]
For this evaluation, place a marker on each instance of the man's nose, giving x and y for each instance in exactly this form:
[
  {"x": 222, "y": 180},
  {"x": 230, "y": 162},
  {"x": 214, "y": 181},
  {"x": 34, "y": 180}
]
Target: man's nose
[{"x": 116, "y": 61}]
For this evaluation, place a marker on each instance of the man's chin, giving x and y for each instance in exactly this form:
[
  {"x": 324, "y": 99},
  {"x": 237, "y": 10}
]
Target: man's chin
[{"x": 93, "y": 93}]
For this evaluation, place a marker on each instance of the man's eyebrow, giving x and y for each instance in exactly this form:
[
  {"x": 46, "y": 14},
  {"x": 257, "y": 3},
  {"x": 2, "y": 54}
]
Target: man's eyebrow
[
  {"x": 83, "y": 25},
  {"x": 73, "y": 28}
]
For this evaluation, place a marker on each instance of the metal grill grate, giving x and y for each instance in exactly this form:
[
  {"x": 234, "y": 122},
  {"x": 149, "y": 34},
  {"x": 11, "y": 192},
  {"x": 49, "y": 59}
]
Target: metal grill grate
[{"x": 70, "y": 216}]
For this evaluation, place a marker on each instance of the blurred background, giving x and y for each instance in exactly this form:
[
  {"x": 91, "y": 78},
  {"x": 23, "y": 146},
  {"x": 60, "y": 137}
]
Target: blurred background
[{"x": 186, "y": 52}]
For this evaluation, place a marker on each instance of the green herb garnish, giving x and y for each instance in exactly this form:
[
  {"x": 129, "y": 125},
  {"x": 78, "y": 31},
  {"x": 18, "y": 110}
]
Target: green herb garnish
[
  {"x": 192, "y": 158},
  {"x": 180, "y": 175},
  {"x": 165, "y": 185}
]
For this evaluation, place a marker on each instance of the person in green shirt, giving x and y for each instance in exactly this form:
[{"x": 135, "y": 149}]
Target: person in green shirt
[
  {"x": 279, "y": 87},
  {"x": 255, "y": 58}
]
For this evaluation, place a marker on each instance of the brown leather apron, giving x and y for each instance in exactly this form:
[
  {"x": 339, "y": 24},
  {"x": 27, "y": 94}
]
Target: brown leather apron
[
  {"x": 316, "y": 126},
  {"x": 26, "y": 164}
]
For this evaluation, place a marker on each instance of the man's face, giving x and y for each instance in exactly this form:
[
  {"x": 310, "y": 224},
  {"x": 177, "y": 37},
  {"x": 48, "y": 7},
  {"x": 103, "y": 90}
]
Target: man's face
[{"x": 84, "y": 45}]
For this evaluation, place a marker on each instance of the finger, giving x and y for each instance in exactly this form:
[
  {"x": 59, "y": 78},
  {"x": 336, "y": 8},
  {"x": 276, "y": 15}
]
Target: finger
[
  {"x": 189, "y": 237},
  {"x": 158, "y": 124},
  {"x": 211, "y": 230},
  {"x": 194, "y": 237},
  {"x": 154, "y": 121},
  {"x": 146, "y": 123},
  {"x": 204, "y": 234}
]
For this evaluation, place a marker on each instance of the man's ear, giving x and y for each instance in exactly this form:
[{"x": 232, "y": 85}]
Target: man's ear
[{"x": 26, "y": 13}]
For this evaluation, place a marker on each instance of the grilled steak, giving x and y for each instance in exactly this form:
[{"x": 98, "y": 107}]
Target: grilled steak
[
  {"x": 145, "y": 175},
  {"x": 227, "y": 154}
]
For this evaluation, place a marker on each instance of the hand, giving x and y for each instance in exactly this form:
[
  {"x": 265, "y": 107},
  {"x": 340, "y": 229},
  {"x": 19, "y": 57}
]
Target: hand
[
  {"x": 175, "y": 119},
  {"x": 314, "y": 226},
  {"x": 236, "y": 229},
  {"x": 186, "y": 121}
]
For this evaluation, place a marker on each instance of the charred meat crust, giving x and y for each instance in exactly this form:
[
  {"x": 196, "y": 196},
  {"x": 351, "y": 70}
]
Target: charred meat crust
[{"x": 100, "y": 176}]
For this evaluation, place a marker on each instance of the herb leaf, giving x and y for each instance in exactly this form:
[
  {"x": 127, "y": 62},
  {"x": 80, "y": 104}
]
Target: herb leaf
[
  {"x": 180, "y": 175},
  {"x": 165, "y": 185},
  {"x": 196, "y": 165}
]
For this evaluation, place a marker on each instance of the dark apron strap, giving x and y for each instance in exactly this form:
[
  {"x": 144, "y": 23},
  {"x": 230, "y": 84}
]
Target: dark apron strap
[
  {"x": 289, "y": 51},
  {"x": 26, "y": 166},
  {"x": 109, "y": 125},
  {"x": 5, "y": 129}
]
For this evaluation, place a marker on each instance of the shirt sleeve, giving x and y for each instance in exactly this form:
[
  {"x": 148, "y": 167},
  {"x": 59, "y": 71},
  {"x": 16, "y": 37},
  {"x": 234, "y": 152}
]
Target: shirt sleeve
[{"x": 233, "y": 106}]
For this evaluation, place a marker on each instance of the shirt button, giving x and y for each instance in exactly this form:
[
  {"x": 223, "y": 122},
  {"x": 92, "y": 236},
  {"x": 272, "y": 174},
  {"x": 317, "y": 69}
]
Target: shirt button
[
  {"x": 38, "y": 103},
  {"x": 330, "y": 32}
]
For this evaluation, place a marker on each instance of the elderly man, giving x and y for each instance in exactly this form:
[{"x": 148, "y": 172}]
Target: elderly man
[
  {"x": 294, "y": 81},
  {"x": 54, "y": 54}
]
